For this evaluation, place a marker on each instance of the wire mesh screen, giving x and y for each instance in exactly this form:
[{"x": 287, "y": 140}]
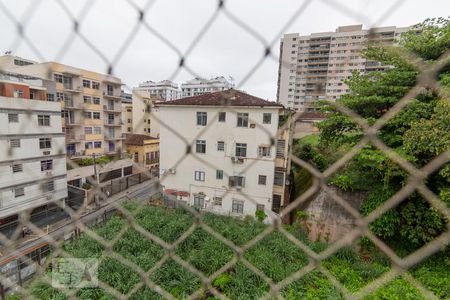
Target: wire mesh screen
[{"x": 166, "y": 259}]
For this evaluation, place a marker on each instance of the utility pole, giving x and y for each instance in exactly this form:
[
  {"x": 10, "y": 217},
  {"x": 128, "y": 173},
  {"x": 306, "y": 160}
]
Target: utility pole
[{"x": 97, "y": 203}]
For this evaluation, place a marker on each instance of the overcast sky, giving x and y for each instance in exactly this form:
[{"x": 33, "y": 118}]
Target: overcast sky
[{"x": 225, "y": 49}]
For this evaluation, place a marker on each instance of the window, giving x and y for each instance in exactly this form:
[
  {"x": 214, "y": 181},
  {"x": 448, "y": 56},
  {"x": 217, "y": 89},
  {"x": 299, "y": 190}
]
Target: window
[
  {"x": 199, "y": 176},
  {"x": 95, "y": 100},
  {"x": 58, "y": 78},
  {"x": 87, "y": 130},
  {"x": 202, "y": 118},
  {"x": 219, "y": 174},
  {"x": 129, "y": 121},
  {"x": 220, "y": 146},
  {"x": 200, "y": 146},
  {"x": 236, "y": 181},
  {"x": 88, "y": 145},
  {"x": 237, "y": 206},
  {"x": 218, "y": 201},
  {"x": 267, "y": 118},
  {"x": 45, "y": 143},
  {"x": 281, "y": 147},
  {"x": 242, "y": 119},
  {"x": 97, "y": 145},
  {"x": 278, "y": 179},
  {"x": 241, "y": 149},
  {"x": 96, "y": 115},
  {"x": 87, "y": 99},
  {"x": 17, "y": 168},
  {"x": 264, "y": 151},
  {"x": 97, "y": 130},
  {"x": 51, "y": 97},
  {"x": 260, "y": 207},
  {"x": 86, "y": 83},
  {"x": 18, "y": 93},
  {"x": 43, "y": 120},
  {"x": 88, "y": 115},
  {"x": 276, "y": 203},
  {"x": 46, "y": 165},
  {"x": 48, "y": 186},
  {"x": 262, "y": 179},
  {"x": 199, "y": 200},
  {"x": 19, "y": 192},
  {"x": 13, "y": 118},
  {"x": 15, "y": 143},
  {"x": 222, "y": 116},
  {"x": 95, "y": 85}
]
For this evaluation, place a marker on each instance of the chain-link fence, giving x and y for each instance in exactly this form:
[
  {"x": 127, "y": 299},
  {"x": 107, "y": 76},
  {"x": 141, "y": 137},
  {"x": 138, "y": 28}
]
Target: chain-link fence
[{"x": 13, "y": 274}]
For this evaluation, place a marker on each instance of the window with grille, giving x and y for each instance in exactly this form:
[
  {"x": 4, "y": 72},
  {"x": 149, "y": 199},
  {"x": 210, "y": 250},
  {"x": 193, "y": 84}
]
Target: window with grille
[
  {"x": 222, "y": 116},
  {"x": 200, "y": 146},
  {"x": 241, "y": 150},
  {"x": 48, "y": 186},
  {"x": 237, "y": 206},
  {"x": 219, "y": 174},
  {"x": 46, "y": 165},
  {"x": 58, "y": 78},
  {"x": 17, "y": 168},
  {"x": 96, "y": 115},
  {"x": 199, "y": 201},
  {"x": 267, "y": 118},
  {"x": 262, "y": 179},
  {"x": 260, "y": 207},
  {"x": 242, "y": 119},
  {"x": 218, "y": 201},
  {"x": 86, "y": 83},
  {"x": 199, "y": 176},
  {"x": 236, "y": 181},
  {"x": 13, "y": 118},
  {"x": 264, "y": 151},
  {"x": 45, "y": 143},
  {"x": 278, "y": 179},
  {"x": 14, "y": 143},
  {"x": 95, "y": 100},
  {"x": 19, "y": 192},
  {"x": 276, "y": 203},
  {"x": 202, "y": 118},
  {"x": 95, "y": 85},
  {"x": 43, "y": 120},
  {"x": 220, "y": 146},
  {"x": 281, "y": 148}
]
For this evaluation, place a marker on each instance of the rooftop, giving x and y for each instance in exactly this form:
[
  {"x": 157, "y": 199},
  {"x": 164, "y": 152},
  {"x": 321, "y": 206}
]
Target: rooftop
[
  {"x": 137, "y": 139},
  {"x": 229, "y": 97}
]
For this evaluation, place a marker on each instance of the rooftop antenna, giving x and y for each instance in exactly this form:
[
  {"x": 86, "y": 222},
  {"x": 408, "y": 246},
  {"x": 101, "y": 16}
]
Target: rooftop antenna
[{"x": 8, "y": 52}]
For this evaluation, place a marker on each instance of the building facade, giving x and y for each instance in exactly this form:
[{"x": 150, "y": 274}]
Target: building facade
[
  {"x": 165, "y": 90},
  {"x": 314, "y": 67},
  {"x": 231, "y": 168},
  {"x": 91, "y": 108},
  {"x": 200, "y": 86},
  {"x": 127, "y": 112},
  {"x": 145, "y": 113},
  {"x": 145, "y": 151},
  {"x": 32, "y": 146}
]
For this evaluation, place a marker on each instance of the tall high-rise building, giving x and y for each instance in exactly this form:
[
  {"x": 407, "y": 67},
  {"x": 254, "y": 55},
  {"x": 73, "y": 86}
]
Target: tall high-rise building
[
  {"x": 314, "y": 67},
  {"x": 165, "y": 90},
  {"x": 32, "y": 146},
  {"x": 91, "y": 106},
  {"x": 200, "y": 86}
]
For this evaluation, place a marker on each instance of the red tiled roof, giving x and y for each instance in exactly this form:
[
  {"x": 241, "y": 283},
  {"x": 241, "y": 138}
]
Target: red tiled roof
[
  {"x": 311, "y": 115},
  {"x": 137, "y": 139},
  {"x": 176, "y": 193},
  {"x": 224, "y": 98}
]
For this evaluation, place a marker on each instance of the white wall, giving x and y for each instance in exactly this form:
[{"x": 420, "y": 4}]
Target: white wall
[{"x": 182, "y": 120}]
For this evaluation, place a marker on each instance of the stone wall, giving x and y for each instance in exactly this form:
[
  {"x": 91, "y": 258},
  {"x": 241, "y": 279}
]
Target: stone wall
[{"x": 328, "y": 221}]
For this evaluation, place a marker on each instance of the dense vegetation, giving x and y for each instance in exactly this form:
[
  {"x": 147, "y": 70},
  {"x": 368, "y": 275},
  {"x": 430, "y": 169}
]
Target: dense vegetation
[
  {"x": 275, "y": 255},
  {"x": 418, "y": 133}
]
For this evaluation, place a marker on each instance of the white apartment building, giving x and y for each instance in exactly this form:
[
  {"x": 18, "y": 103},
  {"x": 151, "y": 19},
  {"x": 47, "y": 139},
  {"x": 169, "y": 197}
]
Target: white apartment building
[
  {"x": 127, "y": 112},
  {"x": 314, "y": 67},
  {"x": 32, "y": 147},
  {"x": 145, "y": 113},
  {"x": 165, "y": 90},
  {"x": 90, "y": 102},
  {"x": 231, "y": 169},
  {"x": 200, "y": 86}
]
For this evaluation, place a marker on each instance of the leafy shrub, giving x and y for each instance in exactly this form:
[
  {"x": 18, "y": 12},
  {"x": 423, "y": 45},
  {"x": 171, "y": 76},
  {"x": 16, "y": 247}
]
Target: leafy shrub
[{"x": 260, "y": 215}]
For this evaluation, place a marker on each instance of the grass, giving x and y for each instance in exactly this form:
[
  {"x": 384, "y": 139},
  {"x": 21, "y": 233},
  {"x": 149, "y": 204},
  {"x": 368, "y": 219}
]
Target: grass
[{"x": 275, "y": 256}]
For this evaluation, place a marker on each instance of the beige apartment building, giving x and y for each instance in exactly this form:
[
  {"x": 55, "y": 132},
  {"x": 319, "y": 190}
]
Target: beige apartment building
[
  {"x": 145, "y": 113},
  {"x": 91, "y": 108},
  {"x": 314, "y": 67}
]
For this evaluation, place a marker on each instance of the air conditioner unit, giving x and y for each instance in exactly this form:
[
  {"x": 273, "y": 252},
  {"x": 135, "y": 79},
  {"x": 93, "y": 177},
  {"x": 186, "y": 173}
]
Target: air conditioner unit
[
  {"x": 207, "y": 199},
  {"x": 46, "y": 153}
]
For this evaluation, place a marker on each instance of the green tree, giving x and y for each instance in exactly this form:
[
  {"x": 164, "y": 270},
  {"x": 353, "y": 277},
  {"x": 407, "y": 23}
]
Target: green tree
[{"x": 418, "y": 133}]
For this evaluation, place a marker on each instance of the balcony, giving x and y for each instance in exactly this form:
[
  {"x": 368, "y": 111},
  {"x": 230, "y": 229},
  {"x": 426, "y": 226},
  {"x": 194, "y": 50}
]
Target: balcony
[
  {"x": 114, "y": 122},
  {"x": 70, "y": 88},
  {"x": 113, "y": 137},
  {"x": 111, "y": 108},
  {"x": 70, "y": 122},
  {"x": 69, "y": 104},
  {"x": 112, "y": 95},
  {"x": 74, "y": 138}
]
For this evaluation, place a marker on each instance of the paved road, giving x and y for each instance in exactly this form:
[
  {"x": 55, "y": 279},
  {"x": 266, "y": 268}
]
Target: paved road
[{"x": 140, "y": 192}]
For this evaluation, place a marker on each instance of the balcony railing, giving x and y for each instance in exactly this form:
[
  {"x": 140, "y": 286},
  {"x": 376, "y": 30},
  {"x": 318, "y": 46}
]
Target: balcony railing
[{"x": 109, "y": 122}]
